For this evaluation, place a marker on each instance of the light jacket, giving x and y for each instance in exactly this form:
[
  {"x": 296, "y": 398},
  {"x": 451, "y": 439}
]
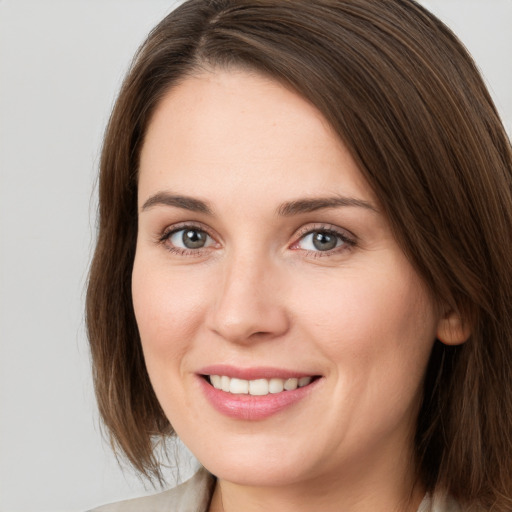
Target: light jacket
[{"x": 195, "y": 494}]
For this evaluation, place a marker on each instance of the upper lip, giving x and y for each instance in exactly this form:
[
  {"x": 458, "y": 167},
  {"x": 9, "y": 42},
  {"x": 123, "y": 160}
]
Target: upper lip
[{"x": 260, "y": 372}]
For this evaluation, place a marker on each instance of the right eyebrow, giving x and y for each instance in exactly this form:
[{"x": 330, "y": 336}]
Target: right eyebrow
[
  {"x": 178, "y": 201},
  {"x": 314, "y": 204}
]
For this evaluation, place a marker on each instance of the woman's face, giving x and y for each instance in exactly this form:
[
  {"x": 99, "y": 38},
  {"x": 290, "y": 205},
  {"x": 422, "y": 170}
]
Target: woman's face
[{"x": 263, "y": 259}]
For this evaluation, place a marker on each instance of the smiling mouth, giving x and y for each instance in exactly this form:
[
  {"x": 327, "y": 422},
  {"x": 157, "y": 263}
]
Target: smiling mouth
[{"x": 257, "y": 387}]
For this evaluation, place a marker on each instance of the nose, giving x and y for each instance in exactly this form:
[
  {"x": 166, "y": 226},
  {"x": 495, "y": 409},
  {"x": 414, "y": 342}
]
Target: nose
[{"x": 249, "y": 303}]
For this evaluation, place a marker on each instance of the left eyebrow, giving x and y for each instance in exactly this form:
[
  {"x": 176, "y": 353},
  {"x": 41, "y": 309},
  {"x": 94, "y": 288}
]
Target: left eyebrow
[
  {"x": 178, "y": 201},
  {"x": 319, "y": 203}
]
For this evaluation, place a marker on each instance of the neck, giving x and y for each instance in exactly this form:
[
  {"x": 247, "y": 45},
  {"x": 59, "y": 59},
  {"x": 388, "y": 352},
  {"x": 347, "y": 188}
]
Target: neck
[{"x": 363, "y": 490}]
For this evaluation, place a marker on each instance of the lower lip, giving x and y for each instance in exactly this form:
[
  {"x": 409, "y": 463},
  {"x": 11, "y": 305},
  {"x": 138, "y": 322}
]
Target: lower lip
[{"x": 250, "y": 408}]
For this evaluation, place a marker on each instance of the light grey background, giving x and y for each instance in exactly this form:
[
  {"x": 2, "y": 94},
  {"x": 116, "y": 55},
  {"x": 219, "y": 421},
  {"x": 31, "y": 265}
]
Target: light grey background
[{"x": 61, "y": 63}]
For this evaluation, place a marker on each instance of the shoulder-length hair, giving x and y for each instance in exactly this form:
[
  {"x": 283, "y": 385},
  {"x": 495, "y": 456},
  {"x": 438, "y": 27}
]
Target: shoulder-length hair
[{"x": 408, "y": 102}]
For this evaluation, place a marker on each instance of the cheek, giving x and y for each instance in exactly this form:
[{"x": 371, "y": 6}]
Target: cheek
[
  {"x": 167, "y": 309},
  {"x": 377, "y": 333},
  {"x": 375, "y": 321}
]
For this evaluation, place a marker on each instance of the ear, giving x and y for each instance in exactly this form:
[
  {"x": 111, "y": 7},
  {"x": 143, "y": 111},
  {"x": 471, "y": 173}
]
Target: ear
[{"x": 452, "y": 330}]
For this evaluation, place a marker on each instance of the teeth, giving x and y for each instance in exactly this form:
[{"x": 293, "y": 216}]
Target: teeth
[
  {"x": 304, "y": 381},
  {"x": 291, "y": 384},
  {"x": 216, "y": 381},
  {"x": 275, "y": 385},
  {"x": 239, "y": 386},
  {"x": 258, "y": 387},
  {"x": 224, "y": 383}
]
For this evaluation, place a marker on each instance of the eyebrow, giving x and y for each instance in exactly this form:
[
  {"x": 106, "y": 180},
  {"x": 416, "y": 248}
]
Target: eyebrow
[
  {"x": 311, "y": 205},
  {"x": 287, "y": 209},
  {"x": 184, "y": 202}
]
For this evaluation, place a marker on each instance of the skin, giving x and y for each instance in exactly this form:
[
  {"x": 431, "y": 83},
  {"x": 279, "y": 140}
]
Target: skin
[{"x": 259, "y": 293}]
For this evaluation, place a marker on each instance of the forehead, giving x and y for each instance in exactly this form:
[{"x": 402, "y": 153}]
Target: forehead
[{"x": 243, "y": 129}]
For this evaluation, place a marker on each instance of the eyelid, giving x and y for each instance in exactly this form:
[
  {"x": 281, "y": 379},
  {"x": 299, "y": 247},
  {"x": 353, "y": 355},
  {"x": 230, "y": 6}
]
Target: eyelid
[
  {"x": 173, "y": 228},
  {"x": 164, "y": 236},
  {"x": 349, "y": 239}
]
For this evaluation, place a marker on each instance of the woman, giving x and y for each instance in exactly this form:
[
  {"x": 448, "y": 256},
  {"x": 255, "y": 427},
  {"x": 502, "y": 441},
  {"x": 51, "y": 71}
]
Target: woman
[{"x": 303, "y": 263}]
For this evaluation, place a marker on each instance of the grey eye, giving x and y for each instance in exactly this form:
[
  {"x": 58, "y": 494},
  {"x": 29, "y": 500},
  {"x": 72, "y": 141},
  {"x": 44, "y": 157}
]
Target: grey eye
[
  {"x": 189, "y": 238},
  {"x": 324, "y": 241},
  {"x": 320, "y": 241}
]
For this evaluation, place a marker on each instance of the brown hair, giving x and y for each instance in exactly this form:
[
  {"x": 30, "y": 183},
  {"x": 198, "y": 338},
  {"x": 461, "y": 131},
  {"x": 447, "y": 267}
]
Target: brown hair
[{"x": 408, "y": 102}]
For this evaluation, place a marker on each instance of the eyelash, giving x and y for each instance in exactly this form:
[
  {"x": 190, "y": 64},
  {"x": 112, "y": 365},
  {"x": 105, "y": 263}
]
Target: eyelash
[
  {"x": 348, "y": 240},
  {"x": 172, "y": 230}
]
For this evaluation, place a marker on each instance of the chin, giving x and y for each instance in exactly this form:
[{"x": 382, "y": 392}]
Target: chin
[{"x": 258, "y": 473}]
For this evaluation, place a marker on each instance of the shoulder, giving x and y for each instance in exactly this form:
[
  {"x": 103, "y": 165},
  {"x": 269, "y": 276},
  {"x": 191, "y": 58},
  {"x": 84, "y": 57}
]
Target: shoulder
[{"x": 191, "y": 496}]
